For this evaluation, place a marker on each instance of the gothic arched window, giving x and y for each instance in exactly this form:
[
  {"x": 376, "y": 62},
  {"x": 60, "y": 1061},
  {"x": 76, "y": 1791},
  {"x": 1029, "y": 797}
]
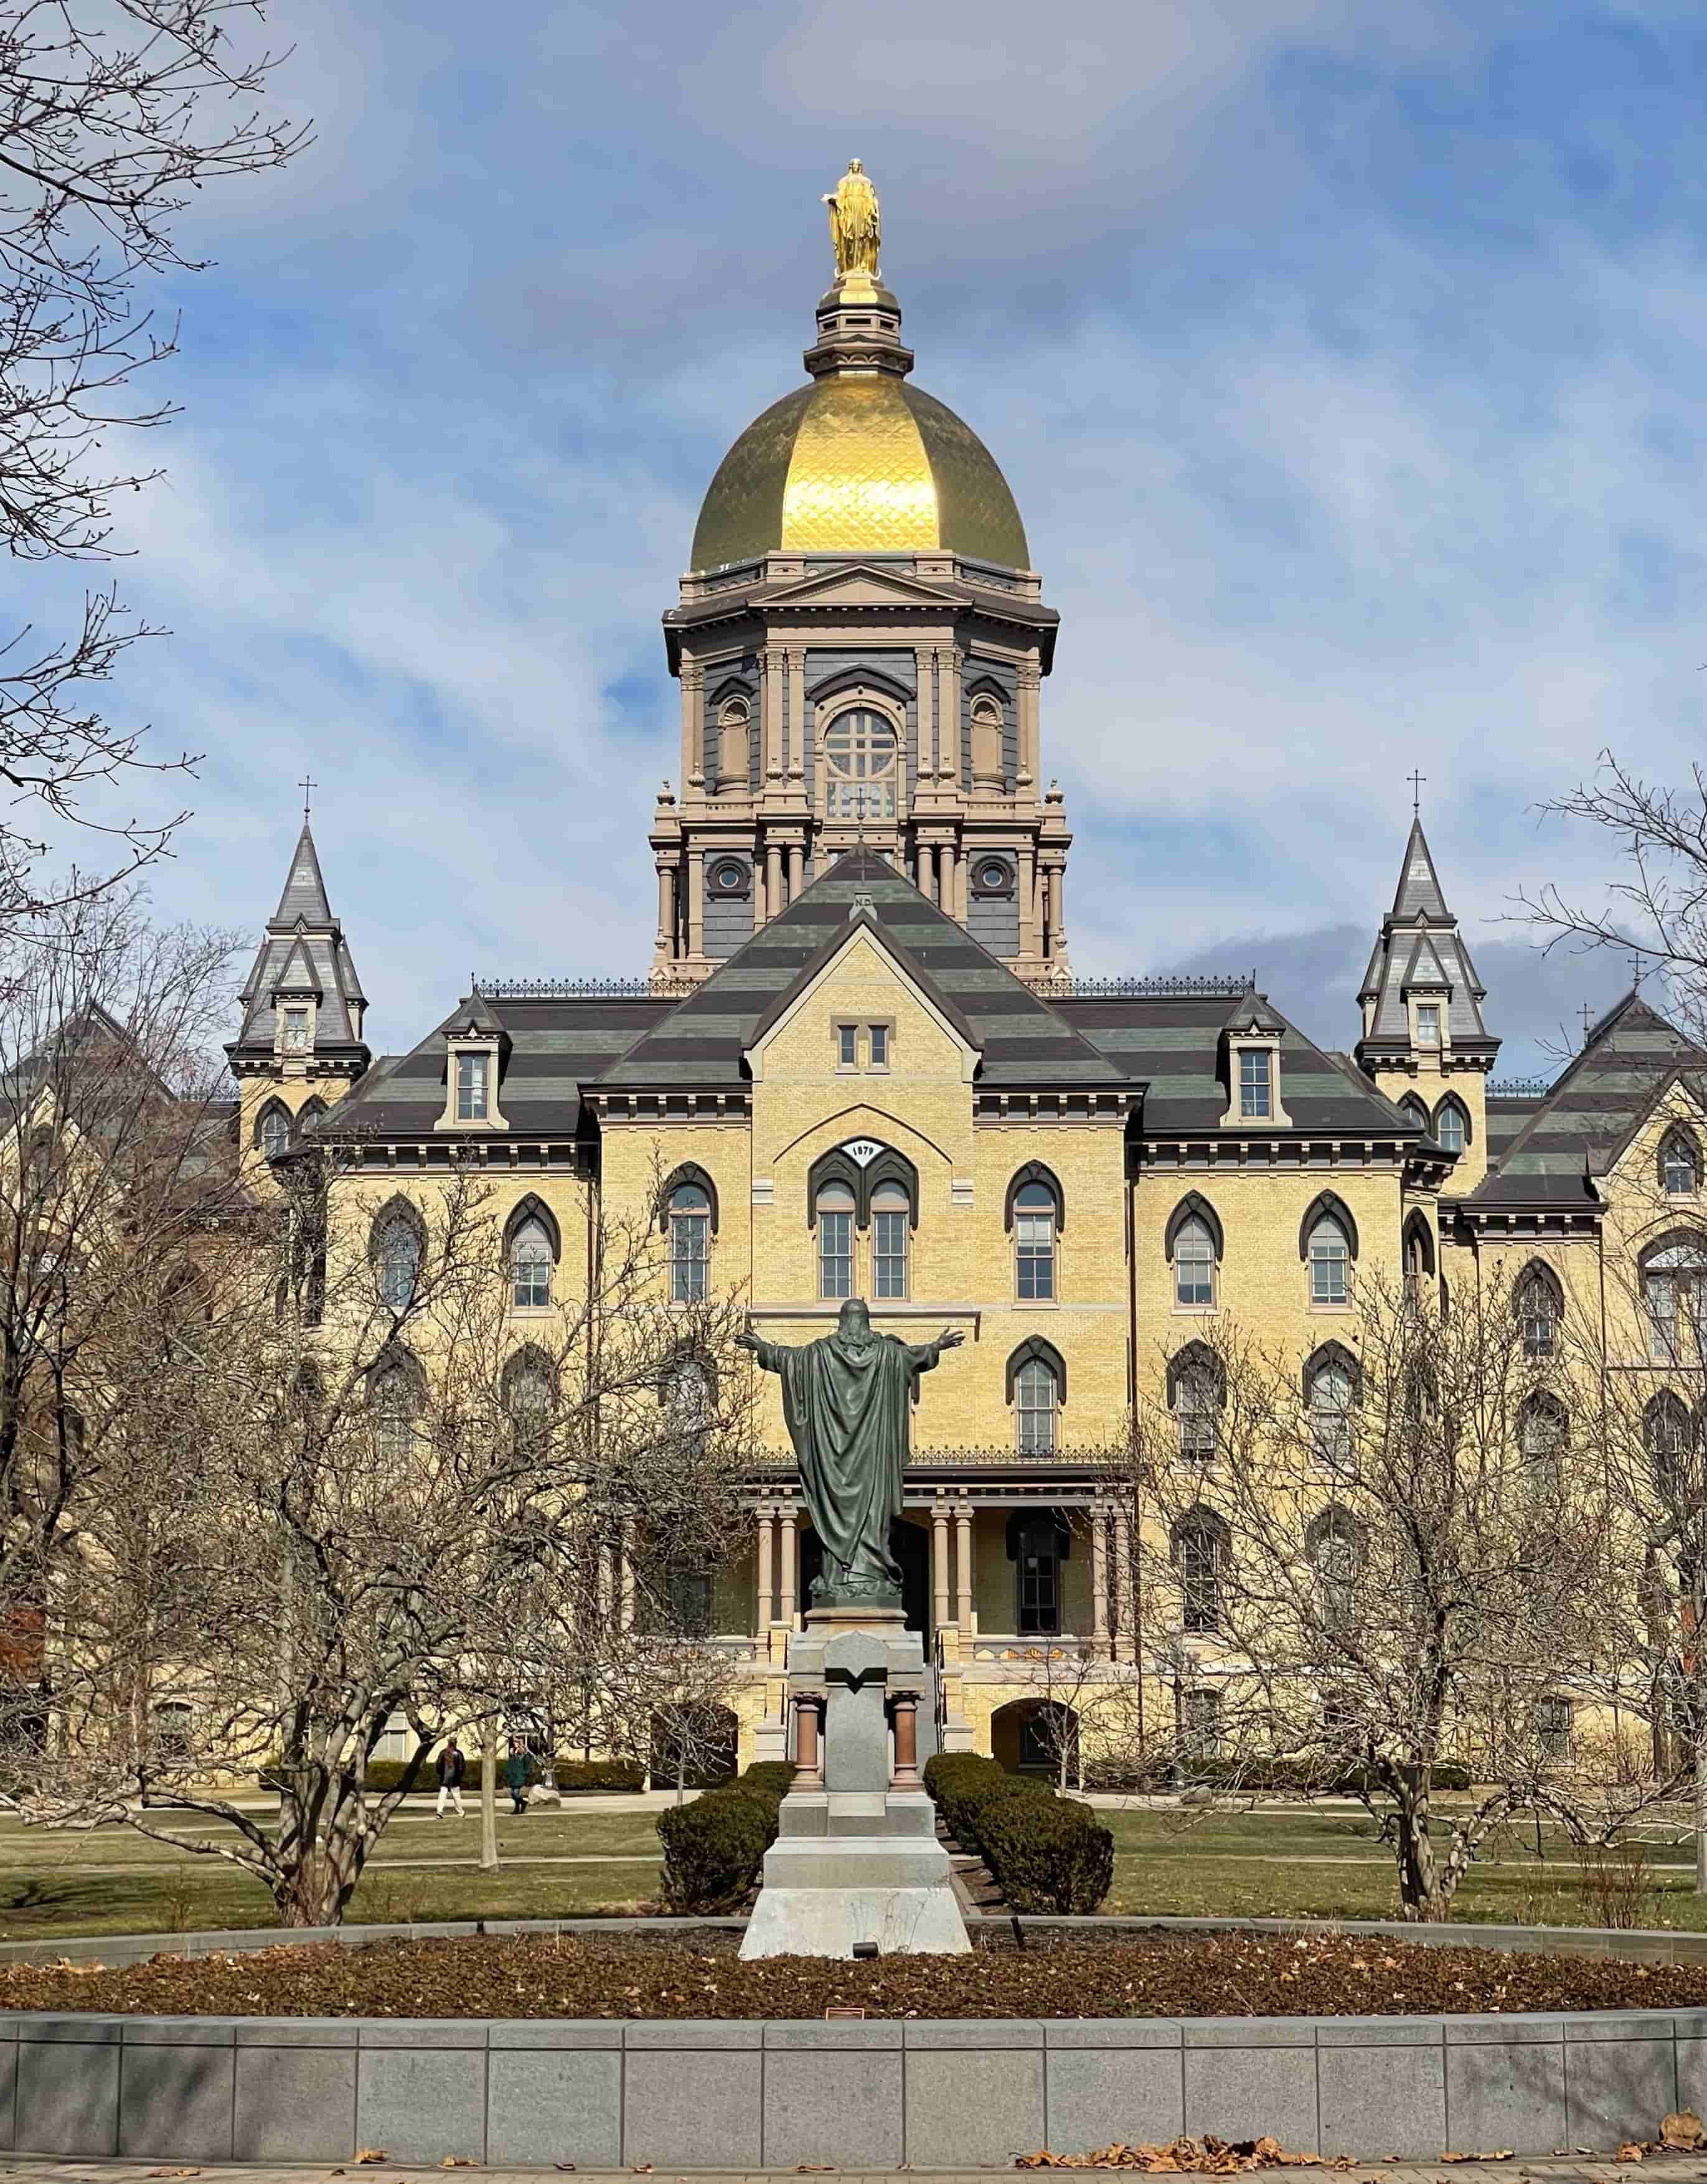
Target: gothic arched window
[
  {"x": 1680, "y": 1164},
  {"x": 1331, "y": 1543},
  {"x": 1034, "y": 1242},
  {"x": 1674, "y": 1291},
  {"x": 1539, "y": 1302},
  {"x": 1037, "y": 1398},
  {"x": 530, "y": 1397},
  {"x": 689, "y": 1215},
  {"x": 1333, "y": 1391},
  {"x": 1544, "y": 1430},
  {"x": 273, "y": 1132},
  {"x": 393, "y": 1396},
  {"x": 1195, "y": 1390},
  {"x": 1452, "y": 1124},
  {"x": 529, "y": 1266},
  {"x": 835, "y": 1240},
  {"x": 891, "y": 1218},
  {"x": 1194, "y": 1263},
  {"x": 1199, "y": 1543},
  {"x": 397, "y": 1251},
  {"x": 1330, "y": 1255}
]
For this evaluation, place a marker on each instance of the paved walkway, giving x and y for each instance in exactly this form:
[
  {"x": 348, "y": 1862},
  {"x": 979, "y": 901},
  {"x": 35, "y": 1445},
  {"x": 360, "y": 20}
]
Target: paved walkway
[{"x": 1578, "y": 2169}]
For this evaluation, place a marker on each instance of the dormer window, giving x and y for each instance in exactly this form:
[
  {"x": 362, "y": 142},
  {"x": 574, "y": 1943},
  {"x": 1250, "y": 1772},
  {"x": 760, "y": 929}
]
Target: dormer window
[
  {"x": 1255, "y": 1084},
  {"x": 1428, "y": 1023},
  {"x": 472, "y": 1081},
  {"x": 1253, "y": 1069},
  {"x": 296, "y": 1032}
]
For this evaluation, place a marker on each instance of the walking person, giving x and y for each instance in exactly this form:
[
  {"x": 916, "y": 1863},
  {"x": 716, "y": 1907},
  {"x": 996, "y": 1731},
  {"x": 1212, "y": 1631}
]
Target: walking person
[
  {"x": 517, "y": 1772},
  {"x": 451, "y": 1767}
]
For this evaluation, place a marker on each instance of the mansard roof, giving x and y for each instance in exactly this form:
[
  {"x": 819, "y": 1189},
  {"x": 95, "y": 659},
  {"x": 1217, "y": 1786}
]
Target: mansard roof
[
  {"x": 1176, "y": 1045},
  {"x": 1577, "y": 1131},
  {"x": 1419, "y": 892},
  {"x": 1026, "y": 1042}
]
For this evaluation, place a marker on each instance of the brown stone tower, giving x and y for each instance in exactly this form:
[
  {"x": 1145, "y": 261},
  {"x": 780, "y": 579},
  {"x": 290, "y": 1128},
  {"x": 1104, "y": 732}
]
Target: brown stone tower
[{"x": 860, "y": 643}]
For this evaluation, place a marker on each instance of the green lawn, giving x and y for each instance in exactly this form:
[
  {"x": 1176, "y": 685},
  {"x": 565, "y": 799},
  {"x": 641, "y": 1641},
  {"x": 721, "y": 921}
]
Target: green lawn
[{"x": 1297, "y": 1862}]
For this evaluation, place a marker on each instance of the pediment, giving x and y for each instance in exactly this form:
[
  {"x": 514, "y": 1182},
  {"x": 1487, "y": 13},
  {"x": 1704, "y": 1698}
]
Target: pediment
[{"x": 864, "y": 586}]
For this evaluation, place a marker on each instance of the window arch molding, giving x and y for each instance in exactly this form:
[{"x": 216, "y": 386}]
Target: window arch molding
[
  {"x": 1035, "y": 1172},
  {"x": 1332, "y": 1357},
  {"x": 1193, "y": 1206},
  {"x": 1196, "y": 1357},
  {"x": 529, "y": 1363},
  {"x": 1045, "y": 1353},
  {"x": 864, "y": 684},
  {"x": 688, "y": 1172},
  {"x": 533, "y": 1208},
  {"x": 271, "y": 1113},
  {"x": 1451, "y": 1101},
  {"x": 1544, "y": 1426},
  {"x": 1680, "y": 1138},
  {"x": 835, "y": 1165},
  {"x": 396, "y": 1365},
  {"x": 1326, "y": 1206},
  {"x": 1669, "y": 1427},
  {"x": 397, "y": 1211},
  {"x": 1418, "y": 1236},
  {"x": 1332, "y": 1525},
  {"x": 310, "y": 1113},
  {"x": 732, "y": 690},
  {"x": 1538, "y": 1270},
  {"x": 1412, "y": 1109}
]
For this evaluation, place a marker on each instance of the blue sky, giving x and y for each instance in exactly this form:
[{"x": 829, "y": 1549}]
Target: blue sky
[{"x": 1346, "y": 361}]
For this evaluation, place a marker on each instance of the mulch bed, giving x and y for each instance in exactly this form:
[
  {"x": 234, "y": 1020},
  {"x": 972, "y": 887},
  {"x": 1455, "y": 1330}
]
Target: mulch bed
[{"x": 541, "y": 1976}]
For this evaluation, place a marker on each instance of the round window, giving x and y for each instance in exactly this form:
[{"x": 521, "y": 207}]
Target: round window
[
  {"x": 729, "y": 878},
  {"x": 994, "y": 877},
  {"x": 861, "y": 744}
]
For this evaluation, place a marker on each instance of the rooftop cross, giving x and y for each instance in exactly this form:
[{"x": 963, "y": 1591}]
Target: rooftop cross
[
  {"x": 1588, "y": 1019},
  {"x": 308, "y": 786},
  {"x": 1416, "y": 780}
]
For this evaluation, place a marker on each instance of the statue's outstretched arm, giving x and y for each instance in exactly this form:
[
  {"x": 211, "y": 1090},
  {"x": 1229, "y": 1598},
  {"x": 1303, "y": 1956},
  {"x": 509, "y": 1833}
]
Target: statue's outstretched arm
[{"x": 925, "y": 1355}]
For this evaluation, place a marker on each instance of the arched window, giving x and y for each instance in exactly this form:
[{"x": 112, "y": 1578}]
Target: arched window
[
  {"x": 1543, "y": 1433},
  {"x": 861, "y": 752},
  {"x": 397, "y": 1250},
  {"x": 891, "y": 1218},
  {"x": 986, "y": 743},
  {"x": 1680, "y": 1164},
  {"x": 530, "y": 1397},
  {"x": 1199, "y": 1546},
  {"x": 1034, "y": 1242},
  {"x": 1194, "y": 1263},
  {"x": 273, "y": 1131},
  {"x": 1414, "y": 1112},
  {"x": 1331, "y": 1383},
  {"x": 1037, "y": 1398},
  {"x": 1669, "y": 1439},
  {"x": 1673, "y": 1290},
  {"x": 689, "y": 1216},
  {"x": 1553, "y": 1728},
  {"x": 394, "y": 1397},
  {"x": 687, "y": 1398},
  {"x": 1419, "y": 1257},
  {"x": 1331, "y": 1543},
  {"x": 1195, "y": 1391},
  {"x": 1538, "y": 1300},
  {"x": 311, "y": 1112},
  {"x": 1452, "y": 1124},
  {"x": 175, "y": 1729},
  {"x": 835, "y": 1240},
  {"x": 1330, "y": 1256},
  {"x": 734, "y": 744},
  {"x": 529, "y": 1265}
]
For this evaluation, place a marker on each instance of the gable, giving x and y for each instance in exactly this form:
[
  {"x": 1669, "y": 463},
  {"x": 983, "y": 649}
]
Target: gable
[
  {"x": 861, "y": 979},
  {"x": 864, "y": 586}
]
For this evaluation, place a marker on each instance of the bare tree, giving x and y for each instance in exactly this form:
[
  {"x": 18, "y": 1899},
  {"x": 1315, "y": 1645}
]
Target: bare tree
[
  {"x": 114, "y": 115},
  {"x": 401, "y": 1519},
  {"x": 1376, "y": 1575}
]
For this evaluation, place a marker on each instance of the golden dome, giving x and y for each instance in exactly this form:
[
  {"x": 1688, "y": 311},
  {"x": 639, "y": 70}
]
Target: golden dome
[{"x": 858, "y": 462}]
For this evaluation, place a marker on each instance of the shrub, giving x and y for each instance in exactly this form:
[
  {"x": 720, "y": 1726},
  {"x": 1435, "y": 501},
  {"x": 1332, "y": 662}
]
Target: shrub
[
  {"x": 1048, "y": 1853},
  {"x": 599, "y": 1774},
  {"x": 713, "y": 1848}
]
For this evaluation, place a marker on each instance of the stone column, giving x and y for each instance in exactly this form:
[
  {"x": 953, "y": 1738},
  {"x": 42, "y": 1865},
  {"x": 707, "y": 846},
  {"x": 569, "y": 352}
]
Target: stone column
[
  {"x": 906, "y": 1774},
  {"x": 923, "y": 660},
  {"x": 1027, "y": 902},
  {"x": 1126, "y": 1644},
  {"x": 693, "y": 727},
  {"x": 767, "y": 1590},
  {"x": 770, "y": 711},
  {"x": 696, "y": 902},
  {"x": 1099, "y": 1582},
  {"x": 939, "y": 1563},
  {"x": 796, "y": 870},
  {"x": 773, "y": 879},
  {"x": 948, "y": 714},
  {"x": 809, "y": 1753},
  {"x": 962, "y": 1555},
  {"x": 791, "y": 1544},
  {"x": 666, "y": 910},
  {"x": 761, "y": 906},
  {"x": 1031, "y": 682},
  {"x": 925, "y": 858},
  {"x": 796, "y": 655},
  {"x": 1057, "y": 910},
  {"x": 944, "y": 896},
  {"x": 961, "y": 875},
  {"x": 1032, "y": 935}
]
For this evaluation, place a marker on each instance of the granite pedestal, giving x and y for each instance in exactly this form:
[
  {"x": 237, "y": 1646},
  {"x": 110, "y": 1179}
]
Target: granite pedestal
[{"x": 856, "y": 1860}]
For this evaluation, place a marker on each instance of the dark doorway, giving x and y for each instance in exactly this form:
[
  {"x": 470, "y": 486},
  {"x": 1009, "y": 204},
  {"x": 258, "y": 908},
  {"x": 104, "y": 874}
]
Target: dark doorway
[{"x": 909, "y": 1544}]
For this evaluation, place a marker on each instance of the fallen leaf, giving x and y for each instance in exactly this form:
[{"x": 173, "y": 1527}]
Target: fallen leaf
[
  {"x": 1681, "y": 2131},
  {"x": 1631, "y": 2150},
  {"x": 370, "y": 2153}
]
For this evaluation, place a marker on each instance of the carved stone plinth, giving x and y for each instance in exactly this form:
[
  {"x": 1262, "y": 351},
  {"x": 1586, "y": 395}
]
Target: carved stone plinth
[{"x": 856, "y": 1859}]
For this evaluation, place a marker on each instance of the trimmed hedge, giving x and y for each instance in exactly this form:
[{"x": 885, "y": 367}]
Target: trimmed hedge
[
  {"x": 1259, "y": 1775},
  {"x": 713, "y": 1848},
  {"x": 1048, "y": 1854},
  {"x": 568, "y": 1774}
]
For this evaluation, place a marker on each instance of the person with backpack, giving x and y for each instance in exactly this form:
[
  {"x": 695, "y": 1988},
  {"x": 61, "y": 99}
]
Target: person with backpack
[{"x": 517, "y": 1772}]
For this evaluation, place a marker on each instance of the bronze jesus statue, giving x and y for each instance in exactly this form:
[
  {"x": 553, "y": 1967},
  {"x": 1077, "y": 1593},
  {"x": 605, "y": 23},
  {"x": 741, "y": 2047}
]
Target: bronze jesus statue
[{"x": 847, "y": 1398}]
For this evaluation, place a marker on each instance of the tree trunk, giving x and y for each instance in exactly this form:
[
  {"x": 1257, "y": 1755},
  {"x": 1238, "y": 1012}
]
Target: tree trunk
[
  {"x": 1701, "y": 1815},
  {"x": 315, "y": 1893},
  {"x": 488, "y": 1798}
]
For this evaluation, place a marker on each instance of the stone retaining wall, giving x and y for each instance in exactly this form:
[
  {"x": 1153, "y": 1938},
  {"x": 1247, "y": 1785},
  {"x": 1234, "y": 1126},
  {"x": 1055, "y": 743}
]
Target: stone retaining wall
[{"x": 850, "y": 2093}]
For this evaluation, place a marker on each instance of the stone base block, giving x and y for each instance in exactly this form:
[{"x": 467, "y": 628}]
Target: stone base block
[{"x": 827, "y": 1922}]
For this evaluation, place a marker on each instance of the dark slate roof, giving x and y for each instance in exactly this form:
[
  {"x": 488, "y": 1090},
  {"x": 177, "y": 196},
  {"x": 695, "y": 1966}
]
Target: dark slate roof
[
  {"x": 1174, "y": 1042},
  {"x": 1578, "y": 1130},
  {"x": 1506, "y": 1116},
  {"x": 304, "y": 951},
  {"x": 1420, "y": 945},
  {"x": 555, "y": 1046},
  {"x": 1025, "y": 1041}
]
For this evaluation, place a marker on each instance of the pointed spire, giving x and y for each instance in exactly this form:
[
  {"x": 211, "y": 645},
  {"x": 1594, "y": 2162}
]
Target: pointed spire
[
  {"x": 305, "y": 891},
  {"x": 1419, "y": 891}
]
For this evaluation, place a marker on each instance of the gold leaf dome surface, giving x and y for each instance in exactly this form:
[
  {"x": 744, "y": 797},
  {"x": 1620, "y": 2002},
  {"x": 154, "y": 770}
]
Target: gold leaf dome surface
[{"x": 859, "y": 463}]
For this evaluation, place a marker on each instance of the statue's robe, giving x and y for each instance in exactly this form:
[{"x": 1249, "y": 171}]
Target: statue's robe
[{"x": 846, "y": 1409}]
